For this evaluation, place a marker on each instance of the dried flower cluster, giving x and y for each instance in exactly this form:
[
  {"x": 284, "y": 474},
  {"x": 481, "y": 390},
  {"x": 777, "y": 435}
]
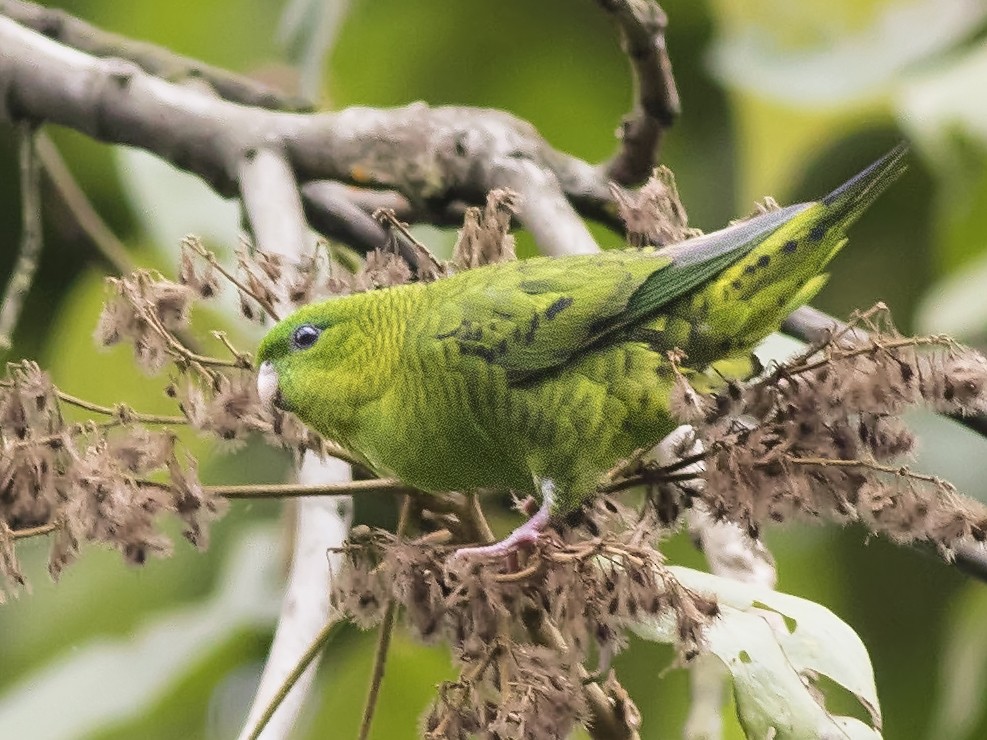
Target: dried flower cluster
[
  {"x": 521, "y": 636},
  {"x": 91, "y": 482},
  {"x": 822, "y": 435},
  {"x": 654, "y": 214},
  {"x": 486, "y": 234},
  {"x": 110, "y": 479}
]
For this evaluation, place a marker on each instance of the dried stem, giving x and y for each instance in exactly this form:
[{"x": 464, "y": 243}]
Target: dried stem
[
  {"x": 120, "y": 411},
  {"x": 22, "y": 276},
  {"x": 21, "y": 534},
  {"x": 320, "y": 641},
  {"x": 836, "y": 354},
  {"x": 196, "y": 246},
  {"x": 384, "y": 638},
  {"x": 298, "y": 490},
  {"x": 899, "y": 471},
  {"x": 243, "y": 359},
  {"x": 409, "y": 249},
  {"x": 79, "y": 207}
]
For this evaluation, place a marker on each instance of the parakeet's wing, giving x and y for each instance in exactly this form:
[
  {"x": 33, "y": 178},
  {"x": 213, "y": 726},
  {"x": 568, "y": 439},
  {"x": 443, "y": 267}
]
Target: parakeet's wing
[{"x": 531, "y": 316}]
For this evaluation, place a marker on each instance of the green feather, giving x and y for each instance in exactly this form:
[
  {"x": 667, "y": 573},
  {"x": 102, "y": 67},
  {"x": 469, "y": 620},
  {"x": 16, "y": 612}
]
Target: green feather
[{"x": 553, "y": 368}]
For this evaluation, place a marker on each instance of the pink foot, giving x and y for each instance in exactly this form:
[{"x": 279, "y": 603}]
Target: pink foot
[{"x": 528, "y": 533}]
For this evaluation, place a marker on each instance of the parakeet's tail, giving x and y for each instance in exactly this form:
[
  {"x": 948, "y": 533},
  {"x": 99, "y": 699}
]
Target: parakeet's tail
[
  {"x": 785, "y": 270},
  {"x": 749, "y": 299},
  {"x": 863, "y": 188}
]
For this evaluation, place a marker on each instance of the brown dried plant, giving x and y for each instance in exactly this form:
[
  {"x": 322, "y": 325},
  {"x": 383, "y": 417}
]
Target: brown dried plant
[{"x": 819, "y": 436}]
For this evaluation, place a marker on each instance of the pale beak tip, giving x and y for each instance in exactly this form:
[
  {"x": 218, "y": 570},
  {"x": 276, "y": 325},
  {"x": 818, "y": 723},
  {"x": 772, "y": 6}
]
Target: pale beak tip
[{"x": 267, "y": 384}]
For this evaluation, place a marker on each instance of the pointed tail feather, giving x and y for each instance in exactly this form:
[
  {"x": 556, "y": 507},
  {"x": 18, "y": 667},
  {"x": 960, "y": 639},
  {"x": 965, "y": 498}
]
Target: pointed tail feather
[
  {"x": 699, "y": 260},
  {"x": 845, "y": 204}
]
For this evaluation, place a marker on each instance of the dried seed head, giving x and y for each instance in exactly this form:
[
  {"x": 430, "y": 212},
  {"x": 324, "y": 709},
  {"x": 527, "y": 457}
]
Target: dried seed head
[
  {"x": 654, "y": 215},
  {"x": 171, "y": 303},
  {"x": 485, "y": 237},
  {"x": 138, "y": 450}
]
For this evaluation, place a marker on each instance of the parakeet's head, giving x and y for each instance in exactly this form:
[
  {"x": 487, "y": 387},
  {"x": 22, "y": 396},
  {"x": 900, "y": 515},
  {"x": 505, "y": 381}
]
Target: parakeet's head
[{"x": 306, "y": 362}]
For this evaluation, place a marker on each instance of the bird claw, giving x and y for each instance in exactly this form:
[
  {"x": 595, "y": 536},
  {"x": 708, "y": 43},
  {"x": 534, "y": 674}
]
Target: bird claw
[{"x": 527, "y": 534}]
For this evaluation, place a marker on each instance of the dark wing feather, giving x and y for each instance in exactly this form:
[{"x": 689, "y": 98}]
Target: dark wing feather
[{"x": 532, "y": 316}]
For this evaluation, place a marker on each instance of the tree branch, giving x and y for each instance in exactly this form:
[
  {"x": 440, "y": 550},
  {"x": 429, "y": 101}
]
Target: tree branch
[
  {"x": 331, "y": 210},
  {"x": 308, "y": 490},
  {"x": 155, "y": 60},
  {"x": 428, "y": 155},
  {"x": 273, "y": 207},
  {"x": 384, "y": 638},
  {"x": 271, "y": 202},
  {"x": 642, "y": 26}
]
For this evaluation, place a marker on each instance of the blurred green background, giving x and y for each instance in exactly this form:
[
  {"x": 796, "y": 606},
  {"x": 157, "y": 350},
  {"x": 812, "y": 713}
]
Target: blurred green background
[{"x": 778, "y": 98}]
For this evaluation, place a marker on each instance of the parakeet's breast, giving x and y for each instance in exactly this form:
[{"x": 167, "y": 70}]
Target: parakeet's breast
[{"x": 598, "y": 410}]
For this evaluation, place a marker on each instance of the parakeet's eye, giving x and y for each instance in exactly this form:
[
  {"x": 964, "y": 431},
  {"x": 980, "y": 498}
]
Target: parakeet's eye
[{"x": 305, "y": 336}]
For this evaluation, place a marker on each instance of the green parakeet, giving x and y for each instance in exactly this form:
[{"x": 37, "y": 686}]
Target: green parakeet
[{"x": 539, "y": 375}]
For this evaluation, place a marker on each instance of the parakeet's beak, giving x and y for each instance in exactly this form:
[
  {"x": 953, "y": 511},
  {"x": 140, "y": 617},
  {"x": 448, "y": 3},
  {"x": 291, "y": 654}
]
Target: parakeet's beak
[{"x": 267, "y": 384}]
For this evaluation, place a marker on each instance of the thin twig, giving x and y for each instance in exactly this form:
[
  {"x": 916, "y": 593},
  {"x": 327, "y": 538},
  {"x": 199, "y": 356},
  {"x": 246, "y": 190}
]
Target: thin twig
[
  {"x": 21, "y": 534},
  {"x": 409, "y": 249},
  {"x": 298, "y": 490},
  {"x": 873, "y": 347},
  {"x": 479, "y": 521},
  {"x": 384, "y": 638},
  {"x": 120, "y": 411},
  {"x": 648, "y": 476},
  {"x": 80, "y": 208},
  {"x": 196, "y": 246},
  {"x": 243, "y": 359},
  {"x": 22, "y": 276},
  {"x": 291, "y": 679},
  {"x": 826, "y": 462}
]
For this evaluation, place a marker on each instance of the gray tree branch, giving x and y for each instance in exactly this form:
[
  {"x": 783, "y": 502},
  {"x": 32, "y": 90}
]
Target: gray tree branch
[
  {"x": 71, "y": 31},
  {"x": 642, "y": 30},
  {"x": 426, "y": 154},
  {"x": 273, "y": 206},
  {"x": 333, "y": 211},
  {"x": 272, "y": 203}
]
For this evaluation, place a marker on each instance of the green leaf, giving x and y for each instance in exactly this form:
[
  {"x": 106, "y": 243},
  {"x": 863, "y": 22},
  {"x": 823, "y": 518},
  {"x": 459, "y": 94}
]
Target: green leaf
[{"x": 776, "y": 648}]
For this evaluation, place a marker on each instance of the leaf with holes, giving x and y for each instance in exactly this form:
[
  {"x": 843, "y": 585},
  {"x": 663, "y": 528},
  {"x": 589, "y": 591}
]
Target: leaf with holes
[{"x": 787, "y": 657}]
